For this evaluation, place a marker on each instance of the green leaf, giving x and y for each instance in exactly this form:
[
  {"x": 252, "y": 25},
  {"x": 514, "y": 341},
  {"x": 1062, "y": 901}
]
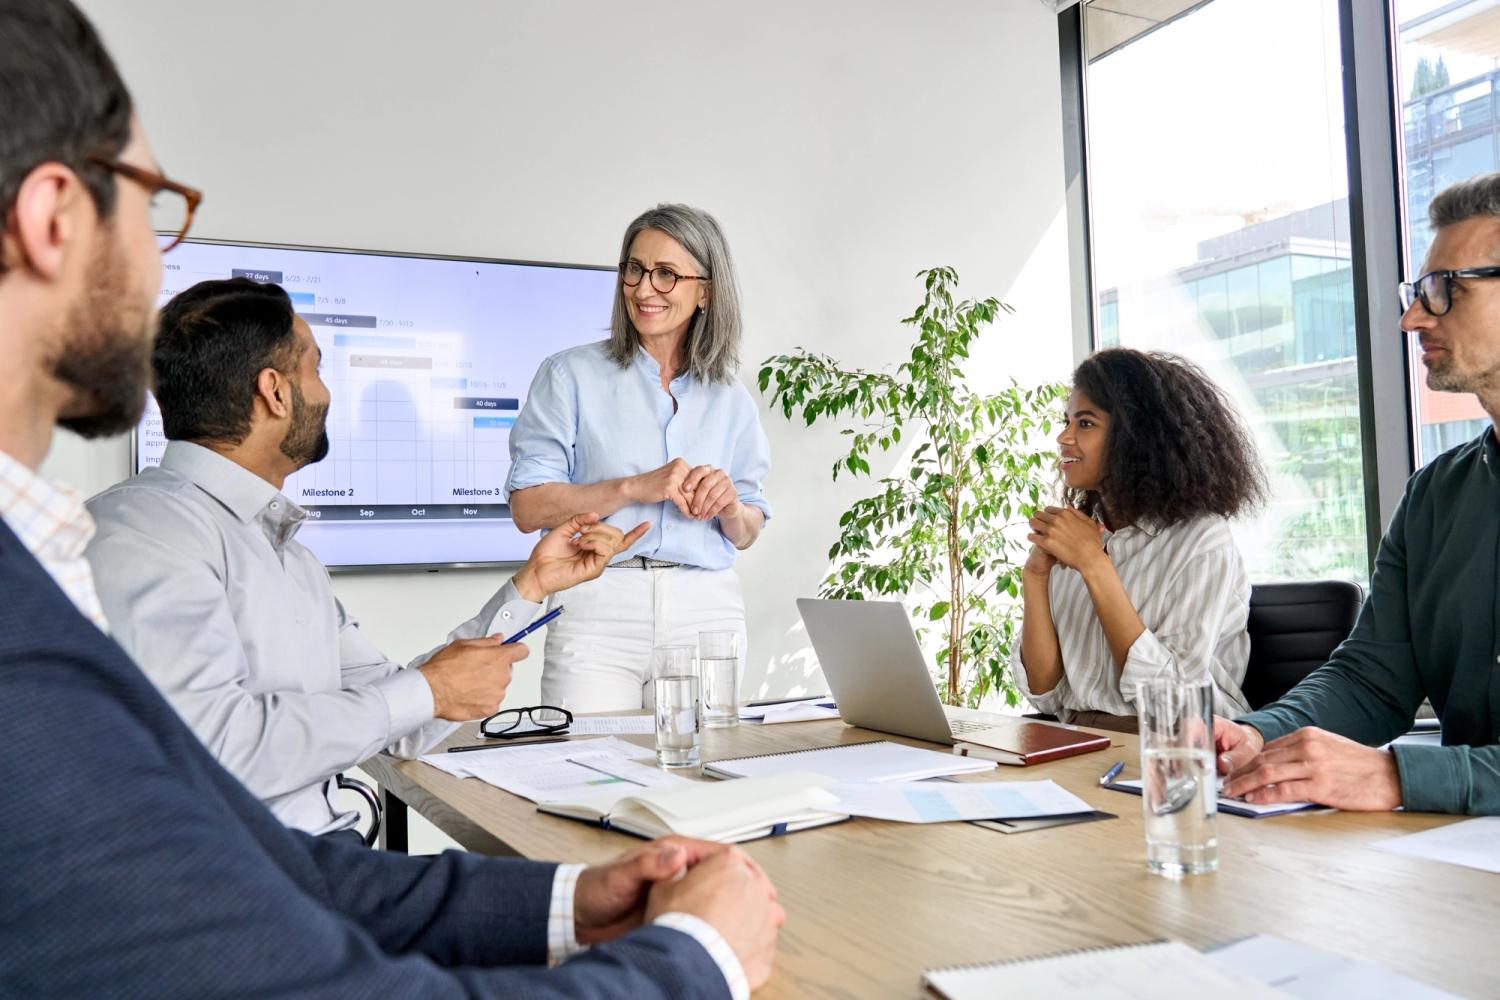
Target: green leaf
[{"x": 972, "y": 468}]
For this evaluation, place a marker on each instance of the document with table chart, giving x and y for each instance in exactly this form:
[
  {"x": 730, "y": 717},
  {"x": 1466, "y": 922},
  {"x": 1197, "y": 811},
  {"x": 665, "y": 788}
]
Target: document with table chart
[
  {"x": 603, "y": 725},
  {"x": 557, "y": 772},
  {"x": 949, "y": 801}
]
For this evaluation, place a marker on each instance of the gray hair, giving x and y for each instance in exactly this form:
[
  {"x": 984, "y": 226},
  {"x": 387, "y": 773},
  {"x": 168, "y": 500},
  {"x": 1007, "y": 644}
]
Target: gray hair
[
  {"x": 713, "y": 341},
  {"x": 1465, "y": 200}
]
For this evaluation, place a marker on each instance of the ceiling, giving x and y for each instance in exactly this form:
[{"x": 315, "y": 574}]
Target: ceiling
[
  {"x": 1110, "y": 24},
  {"x": 1468, "y": 26}
]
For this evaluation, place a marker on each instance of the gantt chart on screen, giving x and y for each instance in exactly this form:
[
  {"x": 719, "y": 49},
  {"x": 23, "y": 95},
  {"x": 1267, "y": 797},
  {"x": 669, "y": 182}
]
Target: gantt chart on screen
[{"x": 428, "y": 361}]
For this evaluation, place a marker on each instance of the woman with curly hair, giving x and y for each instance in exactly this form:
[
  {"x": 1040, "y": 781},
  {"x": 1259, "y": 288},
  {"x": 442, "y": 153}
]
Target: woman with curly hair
[{"x": 1138, "y": 576}]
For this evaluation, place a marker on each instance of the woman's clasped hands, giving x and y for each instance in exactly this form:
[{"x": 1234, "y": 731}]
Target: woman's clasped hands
[{"x": 1069, "y": 536}]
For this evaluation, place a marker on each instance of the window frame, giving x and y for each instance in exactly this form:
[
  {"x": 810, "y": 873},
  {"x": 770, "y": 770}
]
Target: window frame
[{"x": 1377, "y": 194}]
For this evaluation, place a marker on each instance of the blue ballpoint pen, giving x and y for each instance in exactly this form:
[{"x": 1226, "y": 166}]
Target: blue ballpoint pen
[
  {"x": 1112, "y": 773},
  {"x": 534, "y": 626}
]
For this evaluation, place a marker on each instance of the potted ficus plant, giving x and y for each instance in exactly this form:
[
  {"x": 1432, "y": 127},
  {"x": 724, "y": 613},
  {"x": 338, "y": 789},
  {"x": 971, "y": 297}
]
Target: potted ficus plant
[{"x": 940, "y": 531}]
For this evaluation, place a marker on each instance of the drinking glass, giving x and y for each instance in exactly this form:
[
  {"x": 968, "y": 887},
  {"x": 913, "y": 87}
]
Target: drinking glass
[
  {"x": 1179, "y": 790},
  {"x": 675, "y": 678},
  {"x": 719, "y": 670}
]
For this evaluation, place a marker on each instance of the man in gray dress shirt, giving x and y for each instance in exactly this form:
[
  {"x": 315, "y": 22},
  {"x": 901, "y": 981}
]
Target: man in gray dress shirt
[{"x": 203, "y": 582}]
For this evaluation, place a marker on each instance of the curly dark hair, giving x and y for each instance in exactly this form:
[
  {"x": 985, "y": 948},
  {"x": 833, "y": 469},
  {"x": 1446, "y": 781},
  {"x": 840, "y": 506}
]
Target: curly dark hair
[{"x": 1176, "y": 448}]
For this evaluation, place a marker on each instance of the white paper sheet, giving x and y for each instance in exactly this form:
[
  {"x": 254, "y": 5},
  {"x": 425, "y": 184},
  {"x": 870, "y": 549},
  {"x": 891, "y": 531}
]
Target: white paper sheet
[
  {"x": 557, "y": 772},
  {"x": 873, "y": 760},
  {"x": 800, "y": 713},
  {"x": 1473, "y": 843},
  {"x": 600, "y": 725},
  {"x": 943, "y": 801},
  {"x": 1167, "y": 970},
  {"x": 1314, "y": 974},
  {"x": 806, "y": 710}
]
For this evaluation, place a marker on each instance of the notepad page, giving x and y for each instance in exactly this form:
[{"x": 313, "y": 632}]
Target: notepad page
[
  {"x": 1168, "y": 970},
  {"x": 1297, "y": 970},
  {"x": 726, "y": 811},
  {"x": 880, "y": 760},
  {"x": 715, "y": 809}
]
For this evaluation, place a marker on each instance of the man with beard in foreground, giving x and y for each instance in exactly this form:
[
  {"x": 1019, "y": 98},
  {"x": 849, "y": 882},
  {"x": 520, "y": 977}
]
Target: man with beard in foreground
[
  {"x": 135, "y": 865},
  {"x": 205, "y": 585}
]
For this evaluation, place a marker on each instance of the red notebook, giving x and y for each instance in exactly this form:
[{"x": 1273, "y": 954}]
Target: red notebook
[{"x": 1026, "y": 741}]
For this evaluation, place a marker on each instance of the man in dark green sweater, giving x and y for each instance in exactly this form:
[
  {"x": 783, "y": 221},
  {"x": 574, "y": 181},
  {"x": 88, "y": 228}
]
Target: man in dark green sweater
[{"x": 1431, "y": 625}]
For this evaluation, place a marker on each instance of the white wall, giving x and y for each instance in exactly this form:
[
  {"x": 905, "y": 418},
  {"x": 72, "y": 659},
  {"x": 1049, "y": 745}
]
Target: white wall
[{"x": 843, "y": 144}]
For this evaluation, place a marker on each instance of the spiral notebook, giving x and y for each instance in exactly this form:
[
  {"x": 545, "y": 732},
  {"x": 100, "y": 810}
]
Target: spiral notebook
[
  {"x": 1158, "y": 970},
  {"x": 876, "y": 760}
]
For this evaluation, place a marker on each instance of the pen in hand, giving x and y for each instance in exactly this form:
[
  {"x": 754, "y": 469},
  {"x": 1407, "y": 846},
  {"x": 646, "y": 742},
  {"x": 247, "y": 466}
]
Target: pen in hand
[
  {"x": 534, "y": 626},
  {"x": 1111, "y": 774}
]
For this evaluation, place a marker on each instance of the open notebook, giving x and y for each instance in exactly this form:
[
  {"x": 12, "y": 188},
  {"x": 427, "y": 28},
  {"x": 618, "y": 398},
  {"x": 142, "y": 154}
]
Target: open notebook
[
  {"x": 876, "y": 760},
  {"x": 726, "y": 811}
]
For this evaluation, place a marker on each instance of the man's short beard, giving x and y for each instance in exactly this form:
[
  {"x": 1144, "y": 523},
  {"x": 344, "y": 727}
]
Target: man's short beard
[
  {"x": 1445, "y": 379},
  {"x": 106, "y": 350},
  {"x": 306, "y": 441}
]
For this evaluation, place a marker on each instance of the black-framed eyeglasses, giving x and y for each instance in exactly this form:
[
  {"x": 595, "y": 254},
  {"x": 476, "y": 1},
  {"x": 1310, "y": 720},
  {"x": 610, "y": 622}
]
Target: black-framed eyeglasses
[
  {"x": 1435, "y": 288},
  {"x": 173, "y": 205},
  {"x": 663, "y": 279},
  {"x": 514, "y": 723}
]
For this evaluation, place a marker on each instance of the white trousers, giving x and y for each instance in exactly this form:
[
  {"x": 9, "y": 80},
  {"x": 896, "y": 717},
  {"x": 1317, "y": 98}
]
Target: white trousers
[{"x": 598, "y": 652}]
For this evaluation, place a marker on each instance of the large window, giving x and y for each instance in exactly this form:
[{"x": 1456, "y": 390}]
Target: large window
[
  {"x": 1448, "y": 73},
  {"x": 1218, "y": 195}
]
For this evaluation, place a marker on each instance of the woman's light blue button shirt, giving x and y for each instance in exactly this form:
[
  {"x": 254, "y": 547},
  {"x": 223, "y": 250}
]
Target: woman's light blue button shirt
[{"x": 586, "y": 420}]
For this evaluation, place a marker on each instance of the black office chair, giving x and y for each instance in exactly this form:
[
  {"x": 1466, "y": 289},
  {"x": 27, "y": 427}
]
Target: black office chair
[
  {"x": 1294, "y": 627},
  {"x": 367, "y": 793}
]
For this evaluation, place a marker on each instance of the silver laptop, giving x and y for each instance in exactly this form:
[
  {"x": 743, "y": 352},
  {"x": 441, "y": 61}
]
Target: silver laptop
[{"x": 879, "y": 675}]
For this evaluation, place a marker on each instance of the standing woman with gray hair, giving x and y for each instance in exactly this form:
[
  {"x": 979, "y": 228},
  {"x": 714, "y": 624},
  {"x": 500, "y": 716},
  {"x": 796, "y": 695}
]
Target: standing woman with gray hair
[{"x": 650, "y": 425}]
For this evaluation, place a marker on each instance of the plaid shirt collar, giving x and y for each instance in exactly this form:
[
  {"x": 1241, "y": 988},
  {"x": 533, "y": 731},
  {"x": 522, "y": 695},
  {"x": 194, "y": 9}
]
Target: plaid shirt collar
[{"x": 49, "y": 518}]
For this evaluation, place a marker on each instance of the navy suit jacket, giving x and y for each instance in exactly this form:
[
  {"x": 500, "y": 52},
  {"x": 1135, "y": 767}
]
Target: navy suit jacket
[{"x": 133, "y": 865}]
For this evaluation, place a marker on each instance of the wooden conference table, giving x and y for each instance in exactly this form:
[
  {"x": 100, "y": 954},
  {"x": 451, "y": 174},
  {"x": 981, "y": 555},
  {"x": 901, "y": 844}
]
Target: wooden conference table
[{"x": 870, "y": 904}]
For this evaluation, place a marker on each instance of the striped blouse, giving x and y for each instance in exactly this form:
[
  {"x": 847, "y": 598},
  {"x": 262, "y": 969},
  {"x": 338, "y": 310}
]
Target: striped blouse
[{"x": 1189, "y": 586}]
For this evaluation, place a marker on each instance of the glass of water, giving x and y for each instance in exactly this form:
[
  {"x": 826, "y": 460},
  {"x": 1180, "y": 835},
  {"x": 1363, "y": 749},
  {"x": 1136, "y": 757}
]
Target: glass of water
[
  {"x": 719, "y": 669},
  {"x": 675, "y": 678},
  {"x": 1179, "y": 790}
]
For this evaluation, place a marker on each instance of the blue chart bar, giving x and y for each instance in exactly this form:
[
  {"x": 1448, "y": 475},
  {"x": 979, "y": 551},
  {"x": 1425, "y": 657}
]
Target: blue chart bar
[
  {"x": 300, "y": 299},
  {"x": 367, "y": 340},
  {"x": 441, "y": 382},
  {"x": 494, "y": 423}
]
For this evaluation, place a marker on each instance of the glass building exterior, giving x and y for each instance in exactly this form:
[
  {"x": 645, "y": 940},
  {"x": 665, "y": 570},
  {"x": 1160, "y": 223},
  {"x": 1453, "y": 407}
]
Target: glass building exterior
[{"x": 1268, "y": 311}]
